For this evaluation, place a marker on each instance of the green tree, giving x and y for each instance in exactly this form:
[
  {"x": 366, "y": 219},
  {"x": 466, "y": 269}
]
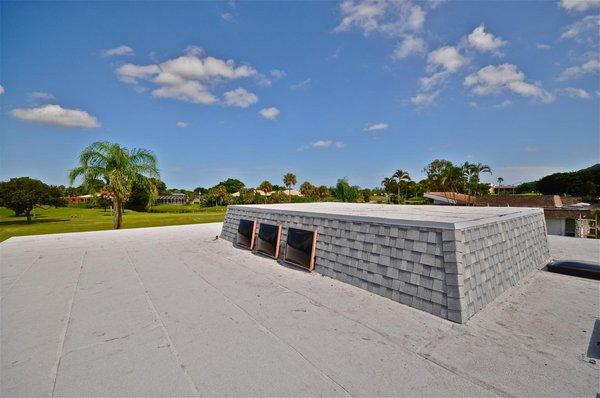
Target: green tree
[
  {"x": 322, "y": 192},
  {"x": 142, "y": 198},
  {"x": 232, "y": 185},
  {"x": 23, "y": 194},
  {"x": 390, "y": 185},
  {"x": 289, "y": 180},
  {"x": 307, "y": 189},
  {"x": 200, "y": 190},
  {"x": 120, "y": 168},
  {"x": 279, "y": 197},
  {"x": 266, "y": 187},
  {"x": 216, "y": 196},
  {"x": 366, "y": 195},
  {"x": 246, "y": 196},
  {"x": 402, "y": 177},
  {"x": 344, "y": 192}
]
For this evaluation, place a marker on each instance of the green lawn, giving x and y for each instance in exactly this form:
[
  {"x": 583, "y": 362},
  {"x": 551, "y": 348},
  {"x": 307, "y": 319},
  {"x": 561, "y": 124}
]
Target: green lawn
[{"x": 71, "y": 219}]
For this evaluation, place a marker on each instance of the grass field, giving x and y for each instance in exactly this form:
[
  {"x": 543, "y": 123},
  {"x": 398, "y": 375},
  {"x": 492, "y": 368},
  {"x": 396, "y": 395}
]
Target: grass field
[{"x": 71, "y": 219}]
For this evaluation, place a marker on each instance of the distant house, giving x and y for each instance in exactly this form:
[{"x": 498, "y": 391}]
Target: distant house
[
  {"x": 565, "y": 215},
  {"x": 500, "y": 189},
  {"x": 75, "y": 200},
  {"x": 173, "y": 199}
]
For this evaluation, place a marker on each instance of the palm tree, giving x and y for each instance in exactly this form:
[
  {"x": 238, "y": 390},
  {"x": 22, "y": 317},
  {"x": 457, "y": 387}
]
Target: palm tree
[
  {"x": 500, "y": 180},
  {"x": 322, "y": 192},
  {"x": 401, "y": 176},
  {"x": 389, "y": 184},
  {"x": 266, "y": 187},
  {"x": 289, "y": 180},
  {"x": 119, "y": 168},
  {"x": 307, "y": 189},
  {"x": 479, "y": 168}
]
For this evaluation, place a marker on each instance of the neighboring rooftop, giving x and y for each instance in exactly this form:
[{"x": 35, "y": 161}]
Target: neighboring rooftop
[
  {"x": 172, "y": 311},
  {"x": 434, "y": 216}
]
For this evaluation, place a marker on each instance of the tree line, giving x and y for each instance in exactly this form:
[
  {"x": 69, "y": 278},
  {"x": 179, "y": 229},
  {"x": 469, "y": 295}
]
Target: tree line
[{"x": 122, "y": 177}]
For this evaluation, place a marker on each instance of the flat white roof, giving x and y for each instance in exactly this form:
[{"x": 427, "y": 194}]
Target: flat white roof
[
  {"x": 418, "y": 215},
  {"x": 173, "y": 312}
]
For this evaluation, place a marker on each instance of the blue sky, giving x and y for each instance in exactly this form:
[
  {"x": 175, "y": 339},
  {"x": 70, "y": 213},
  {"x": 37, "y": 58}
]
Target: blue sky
[{"x": 252, "y": 90}]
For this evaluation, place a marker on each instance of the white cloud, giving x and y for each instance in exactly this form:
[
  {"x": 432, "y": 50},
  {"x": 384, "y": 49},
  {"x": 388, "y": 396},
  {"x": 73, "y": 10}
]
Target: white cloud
[
  {"x": 190, "y": 77},
  {"x": 362, "y": 14},
  {"x": 269, "y": 113},
  {"x": 40, "y": 96},
  {"x": 429, "y": 82},
  {"x": 376, "y": 126},
  {"x": 227, "y": 16},
  {"x": 302, "y": 84},
  {"x": 130, "y": 73},
  {"x": 448, "y": 58},
  {"x": 389, "y": 17},
  {"x": 408, "y": 46},
  {"x": 578, "y": 5},
  {"x": 56, "y": 115},
  {"x": 323, "y": 144},
  {"x": 575, "y": 92},
  {"x": 1, "y": 89},
  {"x": 494, "y": 79},
  {"x": 484, "y": 41},
  {"x": 240, "y": 97},
  {"x": 416, "y": 18},
  {"x": 591, "y": 66},
  {"x": 182, "y": 124},
  {"x": 188, "y": 91},
  {"x": 424, "y": 98},
  {"x": 543, "y": 46},
  {"x": 441, "y": 63},
  {"x": 277, "y": 74},
  {"x": 586, "y": 29},
  {"x": 274, "y": 75},
  {"x": 118, "y": 51}
]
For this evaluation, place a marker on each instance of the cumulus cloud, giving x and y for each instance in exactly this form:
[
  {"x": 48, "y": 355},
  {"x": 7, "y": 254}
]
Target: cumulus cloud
[
  {"x": 269, "y": 113},
  {"x": 130, "y": 73},
  {"x": 408, "y": 46},
  {"x": 182, "y": 124},
  {"x": 578, "y": 5},
  {"x": 590, "y": 66},
  {"x": 240, "y": 97},
  {"x": 424, "y": 98},
  {"x": 484, "y": 41},
  {"x": 190, "y": 77},
  {"x": 575, "y": 92},
  {"x": 586, "y": 29},
  {"x": 1, "y": 89},
  {"x": 543, "y": 46},
  {"x": 494, "y": 79},
  {"x": 117, "y": 51},
  {"x": 56, "y": 115},
  {"x": 389, "y": 17},
  {"x": 448, "y": 58},
  {"x": 376, "y": 126}
]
